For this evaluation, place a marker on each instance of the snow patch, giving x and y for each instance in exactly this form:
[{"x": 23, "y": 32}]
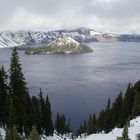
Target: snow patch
[
  {"x": 133, "y": 130},
  {"x": 62, "y": 41}
]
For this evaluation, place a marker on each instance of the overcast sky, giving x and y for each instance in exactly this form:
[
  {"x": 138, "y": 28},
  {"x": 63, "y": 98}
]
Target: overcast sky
[{"x": 103, "y": 15}]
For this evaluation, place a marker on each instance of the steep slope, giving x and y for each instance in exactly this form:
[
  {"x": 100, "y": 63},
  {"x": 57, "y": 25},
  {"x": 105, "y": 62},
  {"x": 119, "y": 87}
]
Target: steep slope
[{"x": 60, "y": 45}]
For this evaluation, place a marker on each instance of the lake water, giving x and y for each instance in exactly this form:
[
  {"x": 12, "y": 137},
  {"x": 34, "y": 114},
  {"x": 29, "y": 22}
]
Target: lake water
[{"x": 80, "y": 84}]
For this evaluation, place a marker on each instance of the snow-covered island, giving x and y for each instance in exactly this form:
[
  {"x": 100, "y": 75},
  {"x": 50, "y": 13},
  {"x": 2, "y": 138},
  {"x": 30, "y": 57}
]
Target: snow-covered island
[{"x": 62, "y": 45}]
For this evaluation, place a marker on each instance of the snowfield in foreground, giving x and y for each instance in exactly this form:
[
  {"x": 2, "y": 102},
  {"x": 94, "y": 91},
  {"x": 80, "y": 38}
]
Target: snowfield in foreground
[{"x": 134, "y": 129}]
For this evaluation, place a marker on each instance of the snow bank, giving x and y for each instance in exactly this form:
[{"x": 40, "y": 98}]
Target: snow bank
[{"x": 134, "y": 129}]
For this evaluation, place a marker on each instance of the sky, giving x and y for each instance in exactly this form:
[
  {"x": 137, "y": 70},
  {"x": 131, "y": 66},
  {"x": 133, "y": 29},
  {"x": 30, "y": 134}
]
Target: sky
[{"x": 117, "y": 16}]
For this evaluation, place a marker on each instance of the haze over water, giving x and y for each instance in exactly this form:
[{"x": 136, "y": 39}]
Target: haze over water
[{"x": 81, "y": 84}]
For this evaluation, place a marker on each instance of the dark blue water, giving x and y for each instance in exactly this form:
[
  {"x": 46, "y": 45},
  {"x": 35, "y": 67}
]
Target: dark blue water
[{"x": 81, "y": 84}]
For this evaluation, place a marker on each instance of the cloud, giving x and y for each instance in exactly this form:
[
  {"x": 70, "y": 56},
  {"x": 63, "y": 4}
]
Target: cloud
[{"x": 103, "y": 15}]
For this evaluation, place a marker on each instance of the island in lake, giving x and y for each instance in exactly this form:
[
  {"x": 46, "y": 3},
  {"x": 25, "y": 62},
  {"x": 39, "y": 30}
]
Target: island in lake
[{"x": 62, "y": 45}]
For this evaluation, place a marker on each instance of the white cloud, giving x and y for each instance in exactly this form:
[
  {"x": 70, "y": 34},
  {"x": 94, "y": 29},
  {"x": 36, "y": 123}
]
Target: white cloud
[{"x": 105, "y": 15}]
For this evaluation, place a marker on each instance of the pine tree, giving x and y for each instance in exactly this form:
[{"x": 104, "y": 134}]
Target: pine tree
[
  {"x": 12, "y": 134},
  {"x": 62, "y": 126},
  {"x": 80, "y": 130},
  {"x": 108, "y": 104},
  {"x": 57, "y": 123},
  {"x": 116, "y": 111},
  {"x": 11, "y": 120},
  {"x": 36, "y": 115},
  {"x": 107, "y": 117},
  {"x": 90, "y": 125},
  {"x": 42, "y": 111},
  {"x": 127, "y": 104},
  {"x": 85, "y": 127},
  {"x": 3, "y": 97},
  {"x": 34, "y": 135},
  {"x": 18, "y": 90},
  {"x": 68, "y": 128},
  {"x": 28, "y": 120},
  {"x": 48, "y": 121},
  {"x": 101, "y": 121},
  {"x": 94, "y": 123},
  {"x": 125, "y": 133},
  {"x": 8, "y": 136},
  {"x": 136, "y": 106},
  {"x": 137, "y": 86},
  {"x": 15, "y": 135}
]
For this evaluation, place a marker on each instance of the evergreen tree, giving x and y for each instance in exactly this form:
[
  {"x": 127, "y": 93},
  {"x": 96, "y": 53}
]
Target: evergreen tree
[
  {"x": 8, "y": 136},
  {"x": 127, "y": 104},
  {"x": 34, "y": 135},
  {"x": 90, "y": 125},
  {"x": 11, "y": 120},
  {"x": 94, "y": 123},
  {"x": 36, "y": 115},
  {"x": 12, "y": 134},
  {"x": 85, "y": 127},
  {"x": 67, "y": 127},
  {"x": 15, "y": 135},
  {"x": 108, "y": 104},
  {"x": 57, "y": 123},
  {"x": 136, "y": 106},
  {"x": 42, "y": 111},
  {"x": 101, "y": 121},
  {"x": 125, "y": 133},
  {"x": 80, "y": 130},
  {"x": 116, "y": 111},
  {"x": 107, "y": 117},
  {"x": 28, "y": 120},
  {"x": 137, "y": 86},
  {"x": 3, "y": 97},
  {"x": 61, "y": 124},
  {"x": 48, "y": 121},
  {"x": 18, "y": 90}
]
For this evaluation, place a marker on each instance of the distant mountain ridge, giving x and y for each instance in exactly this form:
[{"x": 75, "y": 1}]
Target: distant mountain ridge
[{"x": 24, "y": 38}]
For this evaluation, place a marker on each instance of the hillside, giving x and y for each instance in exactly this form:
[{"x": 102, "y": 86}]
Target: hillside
[
  {"x": 24, "y": 38},
  {"x": 134, "y": 129},
  {"x": 63, "y": 45}
]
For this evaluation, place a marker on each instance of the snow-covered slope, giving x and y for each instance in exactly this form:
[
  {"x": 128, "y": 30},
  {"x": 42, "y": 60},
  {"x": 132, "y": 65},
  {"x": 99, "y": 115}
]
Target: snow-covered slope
[
  {"x": 24, "y": 38},
  {"x": 64, "y": 41},
  {"x": 134, "y": 129}
]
